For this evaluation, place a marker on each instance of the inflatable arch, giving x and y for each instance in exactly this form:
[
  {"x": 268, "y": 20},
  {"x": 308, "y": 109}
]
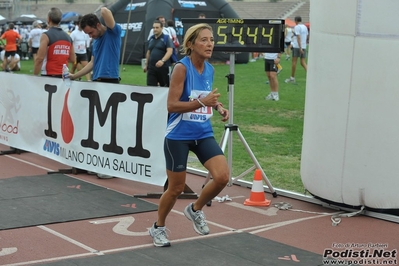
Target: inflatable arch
[{"x": 350, "y": 141}]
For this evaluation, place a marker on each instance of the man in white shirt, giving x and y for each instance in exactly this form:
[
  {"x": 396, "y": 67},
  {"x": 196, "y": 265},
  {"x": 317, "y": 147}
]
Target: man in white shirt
[
  {"x": 15, "y": 64},
  {"x": 170, "y": 27},
  {"x": 81, "y": 41},
  {"x": 298, "y": 47},
  {"x": 34, "y": 37}
]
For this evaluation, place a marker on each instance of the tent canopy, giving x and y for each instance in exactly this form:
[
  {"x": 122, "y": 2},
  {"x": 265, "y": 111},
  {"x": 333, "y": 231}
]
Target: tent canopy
[
  {"x": 137, "y": 16},
  {"x": 68, "y": 15},
  {"x": 24, "y": 20},
  {"x": 3, "y": 20}
]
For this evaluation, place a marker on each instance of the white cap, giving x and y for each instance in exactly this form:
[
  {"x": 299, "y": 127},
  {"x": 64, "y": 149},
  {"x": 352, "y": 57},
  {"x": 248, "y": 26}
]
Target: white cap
[{"x": 36, "y": 23}]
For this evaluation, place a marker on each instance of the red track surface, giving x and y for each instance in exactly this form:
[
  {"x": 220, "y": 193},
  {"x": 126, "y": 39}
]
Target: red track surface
[{"x": 307, "y": 226}]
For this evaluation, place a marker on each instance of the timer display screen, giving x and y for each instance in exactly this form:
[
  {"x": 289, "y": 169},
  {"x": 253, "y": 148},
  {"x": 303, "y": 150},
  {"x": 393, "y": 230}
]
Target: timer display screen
[{"x": 244, "y": 35}]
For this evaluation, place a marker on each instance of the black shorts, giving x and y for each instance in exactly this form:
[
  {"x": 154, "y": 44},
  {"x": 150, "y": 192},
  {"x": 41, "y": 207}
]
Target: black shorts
[
  {"x": 81, "y": 57},
  {"x": 9, "y": 53},
  {"x": 52, "y": 76},
  {"x": 176, "y": 152},
  {"x": 108, "y": 80},
  {"x": 34, "y": 50},
  {"x": 270, "y": 66}
]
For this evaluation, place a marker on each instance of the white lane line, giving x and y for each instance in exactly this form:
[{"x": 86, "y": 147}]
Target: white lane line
[
  {"x": 109, "y": 251},
  {"x": 7, "y": 251},
  {"x": 49, "y": 260},
  {"x": 23, "y": 161},
  {"x": 173, "y": 241},
  {"x": 73, "y": 176},
  {"x": 284, "y": 223},
  {"x": 272, "y": 211},
  {"x": 70, "y": 240},
  {"x": 269, "y": 212},
  {"x": 210, "y": 222}
]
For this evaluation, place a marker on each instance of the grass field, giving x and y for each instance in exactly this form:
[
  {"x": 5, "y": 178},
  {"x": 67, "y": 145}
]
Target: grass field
[{"x": 273, "y": 130}]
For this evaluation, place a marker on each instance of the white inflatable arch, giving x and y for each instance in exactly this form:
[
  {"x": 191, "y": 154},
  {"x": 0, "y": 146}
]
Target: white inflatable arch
[{"x": 350, "y": 152}]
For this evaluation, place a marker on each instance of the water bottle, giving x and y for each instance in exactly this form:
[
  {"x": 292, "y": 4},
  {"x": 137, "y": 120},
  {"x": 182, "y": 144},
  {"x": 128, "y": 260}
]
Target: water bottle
[{"x": 65, "y": 73}]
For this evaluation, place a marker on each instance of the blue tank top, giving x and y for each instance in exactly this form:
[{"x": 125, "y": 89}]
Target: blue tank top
[{"x": 196, "y": 124}]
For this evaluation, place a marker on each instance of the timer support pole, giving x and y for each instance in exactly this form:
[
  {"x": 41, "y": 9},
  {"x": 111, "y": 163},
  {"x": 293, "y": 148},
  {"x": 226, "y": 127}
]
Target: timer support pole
[{"x": 230, "y": 128}]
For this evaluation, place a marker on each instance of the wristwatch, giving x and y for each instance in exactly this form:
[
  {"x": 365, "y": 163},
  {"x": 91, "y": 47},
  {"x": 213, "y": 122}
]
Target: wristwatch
[{"x": 163, "y": 60}]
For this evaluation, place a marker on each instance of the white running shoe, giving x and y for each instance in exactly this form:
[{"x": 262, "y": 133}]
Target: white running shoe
[
  {"x": 272, "y": 97},
  {"x": 290, "y": 80},
  {"x": 102, "y": 176},
  {"x": 269, "y": 97},
  {"x": 198, "y": 219},
  {"x": 159, "y": 236}
]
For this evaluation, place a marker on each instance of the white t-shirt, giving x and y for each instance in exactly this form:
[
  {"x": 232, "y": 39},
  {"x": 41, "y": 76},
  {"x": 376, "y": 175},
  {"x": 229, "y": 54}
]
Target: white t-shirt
[
  {"x": 24, "y": 33},
  {"x": 80, "y": 40},
  {"x": 302, "y": 31},
  {"x": 270, "y": 56},
  {"x": 34, "y": 35},
  {"x": 16, "y": 57},
  {"x": 288, "y": 36},
  {"x": 172, "y": 34}
]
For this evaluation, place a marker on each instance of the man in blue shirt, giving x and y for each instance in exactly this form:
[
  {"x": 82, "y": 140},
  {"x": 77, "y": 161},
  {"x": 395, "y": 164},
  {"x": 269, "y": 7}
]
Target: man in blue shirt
[{"x": 106, "y": 47}]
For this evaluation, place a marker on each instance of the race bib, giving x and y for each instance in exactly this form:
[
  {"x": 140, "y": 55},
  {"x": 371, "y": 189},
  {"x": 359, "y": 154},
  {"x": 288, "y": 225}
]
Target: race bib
[{"x": 201, "y": 114}]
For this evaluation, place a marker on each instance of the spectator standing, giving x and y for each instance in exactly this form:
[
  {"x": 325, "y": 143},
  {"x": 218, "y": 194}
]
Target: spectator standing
[
  {"x": 34, "y": 38},
  {"x": 14, "y": 65},
  {"x": 163, "y": 21},
  {"x": 298, "y": 47},
  {"x": 271, "y": 62},
  {"x": 106, "y": 47},
  {"x": 23, "y": 31},
  {"x": 2, "y": 42},
  {"x": 45, "y": 27},
  {"x": 12, "y": 39},
  {"x": 80, "y": 42},
  {"x": 24, "y": 47},
  {"x": 191, "y": 96},
  {"x": 157, "y": 57},
  {"x": 201, "y": 15},
  {"x": 2, "y": 45},
  {"x": 287, "y": 41},
  {"x": 170, "y": 28},
  {"x": 88, "y": 49},
  {"x": 55, "y": 47}
]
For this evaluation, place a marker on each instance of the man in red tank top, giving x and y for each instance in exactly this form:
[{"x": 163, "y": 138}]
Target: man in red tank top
[{"x": 55, "y": 48}]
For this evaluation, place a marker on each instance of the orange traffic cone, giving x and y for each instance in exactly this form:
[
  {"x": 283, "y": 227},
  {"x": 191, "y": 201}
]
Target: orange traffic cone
[{"x": 257, "y": 197}]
